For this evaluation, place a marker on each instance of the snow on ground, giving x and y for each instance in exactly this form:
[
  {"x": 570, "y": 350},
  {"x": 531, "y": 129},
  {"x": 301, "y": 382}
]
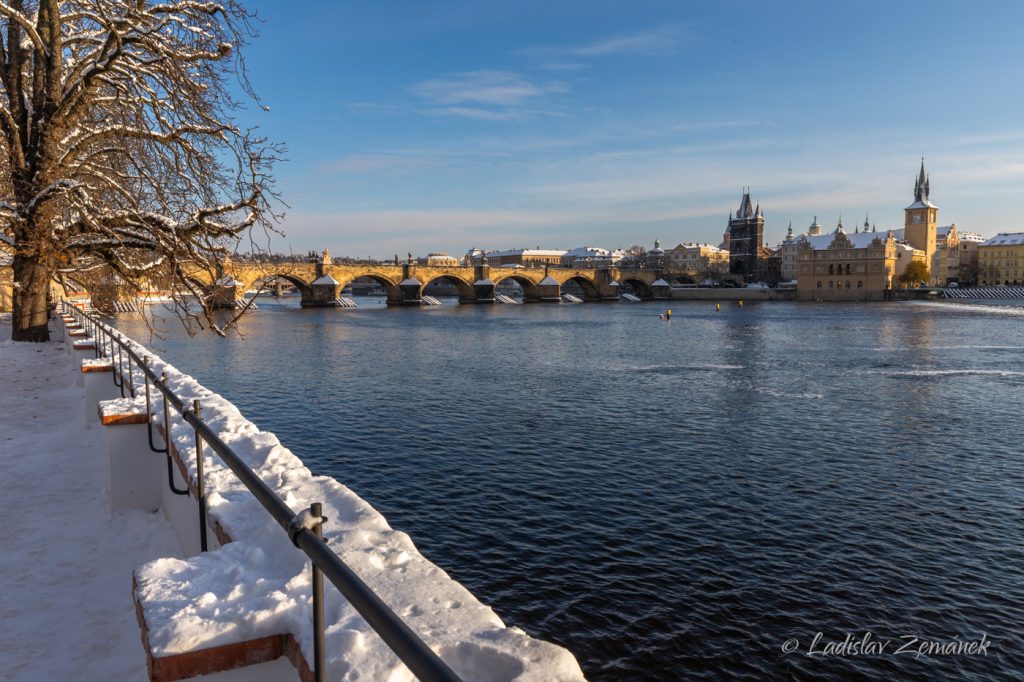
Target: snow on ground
[{"x": 66, "y": 563}]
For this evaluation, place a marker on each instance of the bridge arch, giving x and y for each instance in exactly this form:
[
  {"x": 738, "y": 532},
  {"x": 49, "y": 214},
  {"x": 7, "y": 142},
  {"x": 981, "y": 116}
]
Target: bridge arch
[
  {"x": 466, "y": 291},
  {"x": 589, "y": 287},
  {"x": 390, "y": 286},
  {"x": 257, "y": 281},
  {"x": 639, "y": 286},
  {"x": 530, "y": 290}
]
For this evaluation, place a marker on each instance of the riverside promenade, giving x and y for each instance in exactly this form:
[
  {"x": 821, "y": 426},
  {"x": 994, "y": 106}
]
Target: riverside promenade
[
  {"x": 240, "y": 606},
  {"x": 66, "y": 562}
]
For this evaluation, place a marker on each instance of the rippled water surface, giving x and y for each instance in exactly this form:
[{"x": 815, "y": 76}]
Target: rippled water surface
[{"x": 675, "y": 499}]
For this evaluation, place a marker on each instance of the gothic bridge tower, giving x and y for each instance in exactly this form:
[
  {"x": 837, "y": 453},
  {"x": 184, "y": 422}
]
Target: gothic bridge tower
[{"x": 746, "y": 236}]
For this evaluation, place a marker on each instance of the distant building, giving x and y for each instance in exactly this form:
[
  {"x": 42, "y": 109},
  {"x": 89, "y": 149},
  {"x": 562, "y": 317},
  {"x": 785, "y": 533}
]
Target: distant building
[
  {"x": 968, "y": 259},
  {"x": 745, "y": 239},
  {"x": 591, "y": 257},
  {"x": 845, "y": 267},
  {"x": 697, "y": 261},
  {"x": 526, "y": 257},
  {"x": 945, "y": 265},
  {"x": 1000, "y": 260},
  {"x": 438, "y": 260},
  {"x": 655, "y": 258}
]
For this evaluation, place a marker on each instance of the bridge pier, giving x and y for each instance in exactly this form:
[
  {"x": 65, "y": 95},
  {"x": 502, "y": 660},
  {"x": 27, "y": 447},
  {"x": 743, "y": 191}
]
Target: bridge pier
[
  {"x": 409, "y": 288},
  {"x": 226, "y": 293},
  {"x": 483, "y": 287},
  {"x": 322, "y": 293},
  {"x": 607, "y": 287},
  {"x": 550, "y": 290},
  {"x": 660, "y": 289}
]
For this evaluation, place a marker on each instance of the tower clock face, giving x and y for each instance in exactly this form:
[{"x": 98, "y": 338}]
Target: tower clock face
[{"x": 917, "y": 217}]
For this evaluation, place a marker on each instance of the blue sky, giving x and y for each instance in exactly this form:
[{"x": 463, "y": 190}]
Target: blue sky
[{"x": 440, "y": 126}]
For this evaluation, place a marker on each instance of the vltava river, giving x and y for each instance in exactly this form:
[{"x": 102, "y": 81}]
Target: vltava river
[{"x": 682, "y": 499}]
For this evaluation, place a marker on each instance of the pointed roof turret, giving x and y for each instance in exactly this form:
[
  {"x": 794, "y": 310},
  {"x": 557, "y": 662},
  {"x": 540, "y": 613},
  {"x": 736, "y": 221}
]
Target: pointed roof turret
[
  {"x": 746, "y": 209},
  {"x": 866, "y": 223},
  {"x": 815, "y": 228},
  {"x": 922, "y": 189},
  {"x": 839, "y": 227}
]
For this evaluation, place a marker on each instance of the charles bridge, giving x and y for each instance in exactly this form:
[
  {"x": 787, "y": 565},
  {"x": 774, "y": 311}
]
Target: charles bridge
[{"x": 320, "y": 281}]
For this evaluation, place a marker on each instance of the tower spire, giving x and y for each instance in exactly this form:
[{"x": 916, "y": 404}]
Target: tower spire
[{"x": 921, "y": 185}]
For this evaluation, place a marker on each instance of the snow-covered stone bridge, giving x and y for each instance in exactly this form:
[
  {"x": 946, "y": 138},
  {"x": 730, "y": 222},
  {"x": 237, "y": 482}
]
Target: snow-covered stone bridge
[{"x": 320, "y": 282}]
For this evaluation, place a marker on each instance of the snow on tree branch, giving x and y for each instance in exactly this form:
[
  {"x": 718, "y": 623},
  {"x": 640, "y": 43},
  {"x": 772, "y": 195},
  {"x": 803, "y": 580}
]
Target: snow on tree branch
[{"x": 118, "y": 140}]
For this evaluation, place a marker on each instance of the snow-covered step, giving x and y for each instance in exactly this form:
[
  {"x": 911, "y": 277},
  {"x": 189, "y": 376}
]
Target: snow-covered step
[
  {"x": 345, "y": 302},
  {"x": 429, "y": 300},
  {"x": 569, "y": 298},
  {"x": 503, "y": 298},
  {"x": 629, "y": 298}
]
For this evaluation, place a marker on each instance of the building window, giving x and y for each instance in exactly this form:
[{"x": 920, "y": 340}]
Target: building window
[
  {"x": 831, "y": 284},
  {"x": 860, "y": 284},
  {"x": 847, "y": 284},
  {"x": 819, "y": 283},
  {"x": 831, "y": 271},
  {"x": 847, "y": 268}
]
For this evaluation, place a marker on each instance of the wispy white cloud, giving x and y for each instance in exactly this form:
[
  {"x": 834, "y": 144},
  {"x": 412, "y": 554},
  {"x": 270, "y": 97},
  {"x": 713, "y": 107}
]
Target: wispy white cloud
[
  {"x": 715, "y": 125},
  {"x": 564, "y": 66},
  {"x": 486, "y": 95},
  {"x": 488, "y": 87},
  {"x": 660, "y": 40},
  {"x": 651, "y": 42}
]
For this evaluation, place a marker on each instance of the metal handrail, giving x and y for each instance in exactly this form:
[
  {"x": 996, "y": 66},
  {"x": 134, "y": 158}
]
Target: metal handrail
[{"x": 304, "y": 529}]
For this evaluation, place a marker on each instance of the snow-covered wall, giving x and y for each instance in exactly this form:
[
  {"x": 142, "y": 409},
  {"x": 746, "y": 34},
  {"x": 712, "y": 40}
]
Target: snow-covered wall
[{"x": 258, "y": 584}]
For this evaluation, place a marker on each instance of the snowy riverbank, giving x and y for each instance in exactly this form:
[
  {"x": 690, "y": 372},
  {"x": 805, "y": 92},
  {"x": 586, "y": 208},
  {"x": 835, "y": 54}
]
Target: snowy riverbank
[
  {"x": 196, "y": 609},
  {"x": 65, "y": 562}
]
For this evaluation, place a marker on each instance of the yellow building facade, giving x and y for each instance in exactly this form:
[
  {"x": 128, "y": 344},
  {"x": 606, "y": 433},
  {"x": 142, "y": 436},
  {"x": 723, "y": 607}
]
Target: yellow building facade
[
  {"x": 845, "y": 267},
  {"x": 1001, "y": 260},
  {"x": 697, "y": 260}
]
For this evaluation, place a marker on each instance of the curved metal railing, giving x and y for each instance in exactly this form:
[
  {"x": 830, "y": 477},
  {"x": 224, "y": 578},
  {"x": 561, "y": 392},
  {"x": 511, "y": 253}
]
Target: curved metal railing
[{"x": 304, "y": 529}]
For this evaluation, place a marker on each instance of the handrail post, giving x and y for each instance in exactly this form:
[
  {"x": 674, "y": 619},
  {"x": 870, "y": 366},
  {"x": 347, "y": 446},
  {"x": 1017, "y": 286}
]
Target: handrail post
[
  {"x": 131, "y": 379},
  {"x": 319, "y": 668},
  {"x": 167, "y": 432},
  {"x": 200, "y": 480}
]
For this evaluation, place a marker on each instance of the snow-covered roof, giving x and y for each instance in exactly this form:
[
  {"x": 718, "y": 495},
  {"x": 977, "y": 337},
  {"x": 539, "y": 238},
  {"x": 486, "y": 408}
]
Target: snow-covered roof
[
  {"x": 660, "y": 283},
  {"x": 922, "y": 204},
  {"x": 228, "y": 281},
  {"x": 412, "y": 281},
  {"x": 548, "y": 281},
  {"x": 326, "y": 279},
  {"x": 483, "y": 283},
  {"x": 694, "y": 245},
  {"x": 1005, "y": 239},
  {"x": 527, "y": 252},
  {"x": 613, "y": 283},
  {"x": 584, "y": 251},
  {"x": 859, "y": 240},
  {"x": 970, "y": 237}
]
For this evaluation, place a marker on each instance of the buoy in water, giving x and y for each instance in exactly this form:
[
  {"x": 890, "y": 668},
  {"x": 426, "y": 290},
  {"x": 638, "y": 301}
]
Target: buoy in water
[
  {"x": 740, "y": 302},
  {"x": 668, "y": 314},
  {"x": 661, "y": 316},
  {"x": 718, "y": 306}
]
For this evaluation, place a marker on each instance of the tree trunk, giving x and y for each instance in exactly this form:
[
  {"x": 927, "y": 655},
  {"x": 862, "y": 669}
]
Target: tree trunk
[{"x": 30, "y": 304}]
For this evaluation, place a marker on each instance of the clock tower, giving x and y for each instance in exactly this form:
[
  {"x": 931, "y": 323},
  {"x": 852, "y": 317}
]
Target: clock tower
[{"x": 921, "y": 219}]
